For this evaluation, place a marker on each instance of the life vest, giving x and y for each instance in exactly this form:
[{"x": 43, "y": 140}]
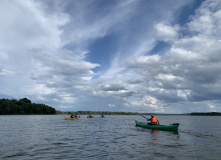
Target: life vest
[{"x": 154, "y": 120}]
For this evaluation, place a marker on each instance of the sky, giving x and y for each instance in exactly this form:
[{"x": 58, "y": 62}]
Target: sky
[{"x": 158, "y": 56}]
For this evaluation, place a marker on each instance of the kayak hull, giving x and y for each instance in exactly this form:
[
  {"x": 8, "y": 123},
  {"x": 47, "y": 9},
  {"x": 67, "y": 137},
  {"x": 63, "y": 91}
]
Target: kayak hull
[
  {"x": 173, "y": 127},
  {"x": 71, "y": 118}
]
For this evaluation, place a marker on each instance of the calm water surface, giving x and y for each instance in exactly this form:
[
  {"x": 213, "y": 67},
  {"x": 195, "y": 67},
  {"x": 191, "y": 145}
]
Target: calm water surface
[{"x": 112, "y": 137}]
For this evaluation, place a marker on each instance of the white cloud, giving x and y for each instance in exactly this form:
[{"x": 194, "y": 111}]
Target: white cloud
[
  {"x": 6, "y": 72},
  {"x": 207, "y": 19},
  {"x": 168, "y": 77},
  {"x": 31, "y": 50},
  {"x": 111, "y": 105},
  {"x": 166, "y": 33},
  {"x": 185, "y": 73},
  {"x": 184, "y": 55},
  {"x": 28, "y": 26},
  {"x": 148, "y": 103},
  {"x": 141, "y": 61},
  {"x": 183, "y": 94}
]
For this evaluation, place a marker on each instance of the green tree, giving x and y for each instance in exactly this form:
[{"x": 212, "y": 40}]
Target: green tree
[{"x": 26, "y": 100}]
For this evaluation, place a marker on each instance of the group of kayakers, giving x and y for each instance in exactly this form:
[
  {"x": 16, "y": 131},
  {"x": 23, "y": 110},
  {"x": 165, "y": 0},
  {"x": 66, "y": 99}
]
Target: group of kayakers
[
  {"x": 153, "y": 120},
  {"x": 74, "y": 116},
  {"x": 90, "y": 116}
]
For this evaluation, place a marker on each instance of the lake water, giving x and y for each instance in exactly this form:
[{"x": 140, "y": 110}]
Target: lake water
[{"x": 111, "y": 138}]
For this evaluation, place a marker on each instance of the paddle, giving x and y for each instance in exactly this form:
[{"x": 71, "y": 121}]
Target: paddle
[{"x": 144, "y": 116}]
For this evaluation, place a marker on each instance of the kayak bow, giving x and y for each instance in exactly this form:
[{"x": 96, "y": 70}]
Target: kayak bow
[{"x": 172, "y": 127}]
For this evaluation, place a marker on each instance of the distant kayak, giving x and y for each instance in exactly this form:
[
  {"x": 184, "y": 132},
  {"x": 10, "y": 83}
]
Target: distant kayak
[
  {"x": 172, "y": 127},
  {"x": 90, "y": 117},
  {"x": 71, "y": 118}
]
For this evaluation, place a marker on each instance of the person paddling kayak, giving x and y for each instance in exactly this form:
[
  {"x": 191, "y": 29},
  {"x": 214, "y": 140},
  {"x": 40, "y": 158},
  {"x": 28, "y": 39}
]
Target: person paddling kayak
[
  {"x": 90, "y": 116},
  {"x": 153, "y": 120},
  {"x": 73, "y": 116}
]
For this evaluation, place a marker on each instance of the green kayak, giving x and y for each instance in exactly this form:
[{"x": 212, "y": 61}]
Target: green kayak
[{"x": 172, "y": 127}]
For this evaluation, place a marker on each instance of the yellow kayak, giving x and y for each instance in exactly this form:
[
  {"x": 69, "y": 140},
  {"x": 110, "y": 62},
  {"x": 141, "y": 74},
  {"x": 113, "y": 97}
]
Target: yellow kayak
[{"x": 71, "y": 118}]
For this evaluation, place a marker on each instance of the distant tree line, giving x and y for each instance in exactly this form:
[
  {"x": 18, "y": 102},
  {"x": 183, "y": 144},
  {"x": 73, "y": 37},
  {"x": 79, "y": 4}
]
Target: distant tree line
[
  {"x": 205, "y": 114},
  {"x": 23, "y": 106},
  {"x": 97, "y": 113},
  {"x": 136, "y": 113}
]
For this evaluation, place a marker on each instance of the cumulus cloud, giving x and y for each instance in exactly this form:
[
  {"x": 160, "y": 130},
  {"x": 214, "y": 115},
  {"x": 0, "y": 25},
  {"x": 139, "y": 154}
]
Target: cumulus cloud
[
  {"x": 31, "y": 50},
  {"x": 150, "y": 104},
  {"x": 114, "y": 90},
  {"x": 140, "y": 61},
  {"x": 186, "y": 71},
  {"x": 166, "y": 33},
  {"x": 207, "y": 21},
  {"x": 189, "y": 70}
]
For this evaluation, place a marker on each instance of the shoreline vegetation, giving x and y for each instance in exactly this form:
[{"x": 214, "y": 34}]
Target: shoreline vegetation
[{"x": 24, "y": 106}]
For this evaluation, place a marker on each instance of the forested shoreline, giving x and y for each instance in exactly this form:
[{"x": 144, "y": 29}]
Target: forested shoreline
[
  {"x": 205, "y": 114},
  {"x": 23, "y": 106}
]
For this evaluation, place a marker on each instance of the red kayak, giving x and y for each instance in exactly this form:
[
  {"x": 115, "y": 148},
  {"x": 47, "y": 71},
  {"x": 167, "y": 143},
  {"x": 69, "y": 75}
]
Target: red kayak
[{"x": 90, "y": 116}]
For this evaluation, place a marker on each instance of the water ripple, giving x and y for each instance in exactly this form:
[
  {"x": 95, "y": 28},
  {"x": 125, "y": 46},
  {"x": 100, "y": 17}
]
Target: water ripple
[{"x": 114, "y": 137}]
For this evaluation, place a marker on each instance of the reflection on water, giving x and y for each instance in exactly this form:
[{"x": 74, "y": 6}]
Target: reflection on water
[
  {"x": 155, "y": 135},
  {"x": 155, "y": 139}
]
